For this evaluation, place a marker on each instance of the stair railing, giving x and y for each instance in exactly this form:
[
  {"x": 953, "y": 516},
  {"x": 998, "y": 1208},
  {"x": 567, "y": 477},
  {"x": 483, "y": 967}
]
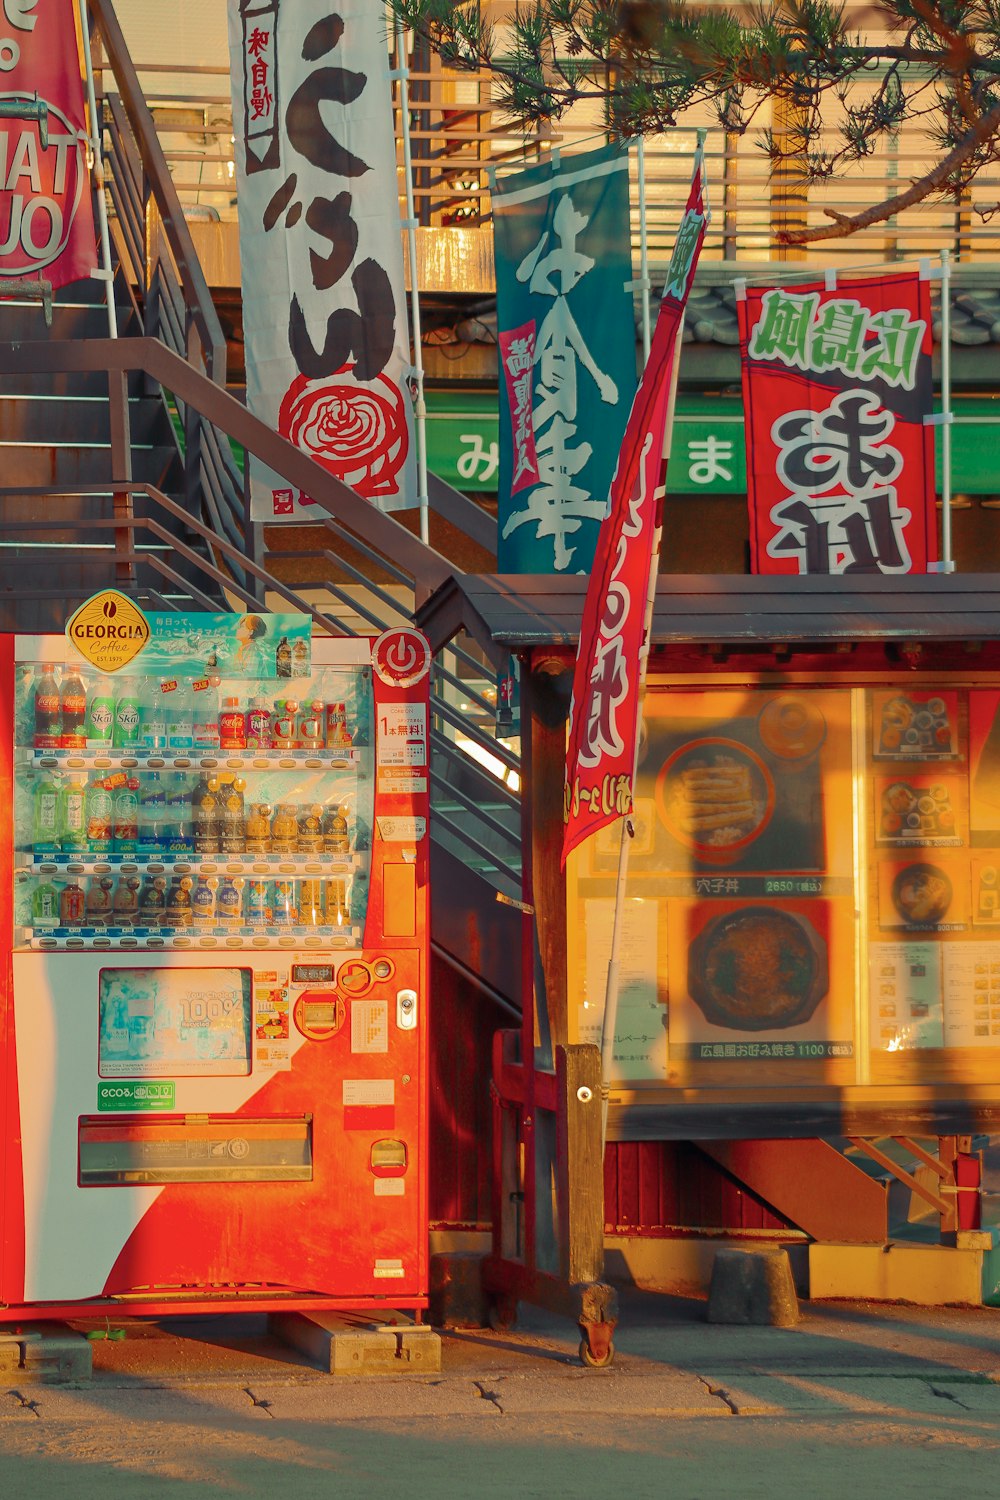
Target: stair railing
[{"x": 370, "y": 570}]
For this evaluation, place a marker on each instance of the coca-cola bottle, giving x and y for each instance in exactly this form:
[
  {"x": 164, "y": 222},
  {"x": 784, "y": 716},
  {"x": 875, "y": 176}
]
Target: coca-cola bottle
[
  {"x": 72, "y": 711},
  {"x": 48, "y": 719}
]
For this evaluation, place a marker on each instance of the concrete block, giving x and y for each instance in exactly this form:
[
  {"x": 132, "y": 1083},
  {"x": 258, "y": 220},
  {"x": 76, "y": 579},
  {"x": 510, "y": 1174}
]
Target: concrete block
[
  {"x": 457, "y": 1299},
  {"x": 53, "y": 1353},
  {"x": 926, "y": 1275},
  {"x": 352, "y": 1344},
  {"x": 752, "y": 1286}
]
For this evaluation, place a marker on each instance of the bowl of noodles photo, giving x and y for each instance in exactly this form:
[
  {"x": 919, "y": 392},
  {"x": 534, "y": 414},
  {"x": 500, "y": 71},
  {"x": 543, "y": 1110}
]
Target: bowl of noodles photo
[
  {"x": 922, "y": 895},
  {"x": 758, "y": 970},
  {"x": 715, "y": 797}
]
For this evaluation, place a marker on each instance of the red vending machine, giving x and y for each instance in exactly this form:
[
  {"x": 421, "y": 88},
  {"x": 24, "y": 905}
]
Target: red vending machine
[{"x": 213, "y": 1054}]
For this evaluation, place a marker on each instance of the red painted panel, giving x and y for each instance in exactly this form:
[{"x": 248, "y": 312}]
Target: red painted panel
[{"x": 653, "y": 1186}]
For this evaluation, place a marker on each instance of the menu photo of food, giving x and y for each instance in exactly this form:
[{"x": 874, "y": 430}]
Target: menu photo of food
[
  {"x": 923, "y": 895},
  {"x": 715, "y": 795},
  {"x": 748, "y": 974},
  {"x": 904, "y": 981},
  {"x": 986, "y": 891},
  {"x": 925, "y": 811},
  {"x": 984, "y": 766},
  {"x": 915, "y": 726}
]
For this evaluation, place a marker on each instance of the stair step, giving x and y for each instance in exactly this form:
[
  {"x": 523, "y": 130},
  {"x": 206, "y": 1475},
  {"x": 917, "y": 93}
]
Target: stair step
[{"x": 43, "y": 465}]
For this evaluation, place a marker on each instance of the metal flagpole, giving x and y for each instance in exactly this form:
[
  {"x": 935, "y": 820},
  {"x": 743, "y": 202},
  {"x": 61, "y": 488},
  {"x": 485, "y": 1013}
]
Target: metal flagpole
[
  {"x": 610, "y": 1021},
  {"x": 946, "y": 411},
  {"x": 419, "y": 403},
  {"x": 105, "y": 273},
  {"x": 643, "y": 247}
]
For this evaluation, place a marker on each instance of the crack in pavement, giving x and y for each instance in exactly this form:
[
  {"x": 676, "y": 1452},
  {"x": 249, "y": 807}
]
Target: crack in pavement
[
  {"x": 258, "y": 1401},
  {"x": 31, "y": 1406},
  {"x": 720, "y": 1391},
  {"x": 488, "y": 1395},
  {"x": 947, "y": 1396}
]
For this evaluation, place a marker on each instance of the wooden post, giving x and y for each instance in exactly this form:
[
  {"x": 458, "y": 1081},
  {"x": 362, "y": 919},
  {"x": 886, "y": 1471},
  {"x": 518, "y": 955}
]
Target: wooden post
[{"x": 580, "y": 1164}]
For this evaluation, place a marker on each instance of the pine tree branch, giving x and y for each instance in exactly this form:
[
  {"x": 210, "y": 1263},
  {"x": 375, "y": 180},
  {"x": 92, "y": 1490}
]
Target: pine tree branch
[{"x": 985, "y": 130}]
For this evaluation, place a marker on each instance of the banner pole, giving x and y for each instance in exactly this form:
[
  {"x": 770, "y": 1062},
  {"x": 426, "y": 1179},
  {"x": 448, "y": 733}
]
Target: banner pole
[
  {"x": 946, "y": 412},
  {"x": 613, "y": 987},
  {"x": 106, "y": 273},
  {"x": 643, "y": 247},
  {"x": 612, "y": 991},
  {"x": 419, "y": 402}
]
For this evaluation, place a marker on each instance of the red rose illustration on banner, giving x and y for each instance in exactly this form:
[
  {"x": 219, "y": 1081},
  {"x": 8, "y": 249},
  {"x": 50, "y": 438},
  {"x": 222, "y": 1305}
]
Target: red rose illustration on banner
[{"x": 356, "y": 431}]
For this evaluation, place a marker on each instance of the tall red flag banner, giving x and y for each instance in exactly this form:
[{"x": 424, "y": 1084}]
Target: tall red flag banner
[
  {"x": 604, "y": 713},
  {"x": 840, "y": 460},
  {"x": 46, "y": 206}
]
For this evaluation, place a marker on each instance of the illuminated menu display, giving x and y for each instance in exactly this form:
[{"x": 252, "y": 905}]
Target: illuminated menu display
[{"x": 813, "y": 891}]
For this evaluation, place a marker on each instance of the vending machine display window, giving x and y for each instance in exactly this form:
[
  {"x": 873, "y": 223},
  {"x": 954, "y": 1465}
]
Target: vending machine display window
[
  {"x": 175, "y": 1022},
  {"x": 192, "y": 804}
]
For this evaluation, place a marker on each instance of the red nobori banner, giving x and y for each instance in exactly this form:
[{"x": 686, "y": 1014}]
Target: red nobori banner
[
  {"x": 604, "y": 712},
  {"x": 46, "y": 207},
  {"x": 836, "y": 389}
]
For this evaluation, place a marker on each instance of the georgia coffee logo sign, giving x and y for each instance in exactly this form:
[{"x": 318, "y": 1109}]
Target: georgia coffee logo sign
[
  {"x": 40, "y": 190},
  {"x": 401, "y": 657},
  {"x": 108, "y": 630}
]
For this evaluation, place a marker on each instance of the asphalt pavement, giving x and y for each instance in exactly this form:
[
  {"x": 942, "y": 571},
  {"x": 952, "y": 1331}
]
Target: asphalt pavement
[{"x": 218, "y": 1406}]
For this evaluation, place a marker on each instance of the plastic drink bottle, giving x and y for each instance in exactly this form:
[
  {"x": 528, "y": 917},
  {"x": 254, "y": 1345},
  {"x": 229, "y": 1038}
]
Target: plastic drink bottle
[
  {"x": 48, "y": 715},
  {"x": 206, "y": 816},
  {"x": 309, "y": 833},
  {"x": 125, "y": 816},
  {"x": 153, "y": 901},
  {"x": 285, "y": 724},
  {"x": 178, "y": 813},
  {"x": 128, "y": 713},
  {"x": 45, "y": 815},
  {"x": 71, "y": 904},
  {"x": 45, "y": 906},
  {"x": 180, "y": 730},
  {"x": 154, "y": 719},
  {"x": 336, "y": 837},
  {"x": 229, "y": 902},
  {"x": 72, "y": 712},
  {"x": 203, "y": 901},
  {"x": 98, "y": 815},
  {"x": 98, "y": 902},
  {"x": 310, "y": 732},
  {"x": 232, "y": 725},
  {"x": 152, "y": 811},
  {"x": 283, "y": 658},
  {"x": 259, "y": 725},
  {"x": 72, "y": 817},
  {"x": 205, "y": 714},
  {"x": 234, "y": 824},
  {"x": 178, "y": 909},
  {"x": 300, "y": 658},
  {"x": 125, "y": 905},
  {"x": 100, "y": 722}
]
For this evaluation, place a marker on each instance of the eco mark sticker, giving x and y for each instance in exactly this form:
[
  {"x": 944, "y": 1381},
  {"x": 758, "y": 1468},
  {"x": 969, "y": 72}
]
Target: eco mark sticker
[
  {"x": 129, "y": 1095},
  {"x": 108, "y": 630}
]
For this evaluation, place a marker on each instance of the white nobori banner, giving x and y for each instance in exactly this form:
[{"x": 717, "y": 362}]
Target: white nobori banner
[{"x": 327, "y": 349}]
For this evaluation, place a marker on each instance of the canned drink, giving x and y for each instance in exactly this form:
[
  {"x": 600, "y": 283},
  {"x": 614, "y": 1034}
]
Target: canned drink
[
  {"x": 311, "y": 903},
  {"x": 284, "y": 912}
]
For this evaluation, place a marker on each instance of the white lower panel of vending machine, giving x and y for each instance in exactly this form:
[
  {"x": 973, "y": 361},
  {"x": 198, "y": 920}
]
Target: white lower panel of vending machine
[{"x": 72, "y": 1063}]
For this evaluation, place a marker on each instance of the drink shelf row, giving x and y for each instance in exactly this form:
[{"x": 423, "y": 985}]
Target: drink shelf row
[
  {"x": 76, "y": 938},
  {"x": 193, "y": 760},
  {"x": 318, "y": 866}
]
